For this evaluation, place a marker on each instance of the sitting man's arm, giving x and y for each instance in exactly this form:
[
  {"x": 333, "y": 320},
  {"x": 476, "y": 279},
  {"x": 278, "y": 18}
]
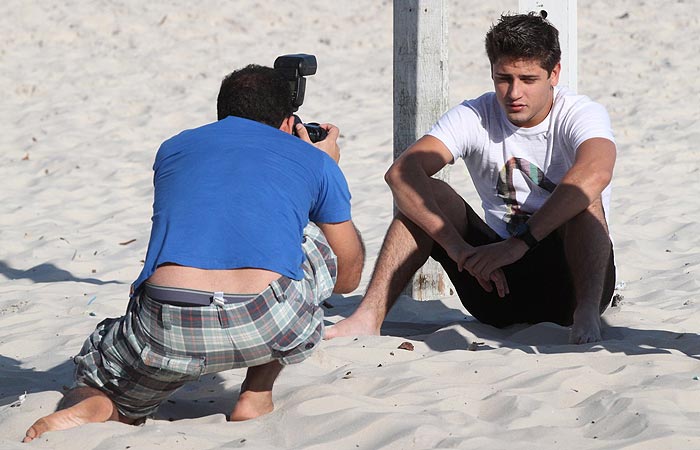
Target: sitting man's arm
[
  {"x": 578, "y": 190},
  {"x": 582, "y": 185},
  {"x": 410, "y": 181},
  {"x": 346, "y": 242}
]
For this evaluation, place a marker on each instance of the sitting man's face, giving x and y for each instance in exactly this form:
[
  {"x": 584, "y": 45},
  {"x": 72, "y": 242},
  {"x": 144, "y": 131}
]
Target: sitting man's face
[{"x": 524, "y": 90}]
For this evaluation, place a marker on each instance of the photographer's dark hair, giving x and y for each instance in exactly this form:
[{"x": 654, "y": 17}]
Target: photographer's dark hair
[
  {"x": 257, "y": 93},
  {"x": 524, "y": 36}
]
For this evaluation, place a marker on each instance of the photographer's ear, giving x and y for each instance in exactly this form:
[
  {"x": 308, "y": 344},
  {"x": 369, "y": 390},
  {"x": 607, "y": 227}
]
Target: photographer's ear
[{"x": 288, "y": 125}]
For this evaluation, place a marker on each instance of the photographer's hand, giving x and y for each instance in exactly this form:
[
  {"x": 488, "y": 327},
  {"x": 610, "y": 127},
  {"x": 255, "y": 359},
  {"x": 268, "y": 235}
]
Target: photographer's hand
[{"x": 329, "y": 145}]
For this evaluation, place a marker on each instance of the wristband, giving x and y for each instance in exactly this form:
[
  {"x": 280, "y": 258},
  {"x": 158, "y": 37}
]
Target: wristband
[{"x": 523, "y": 233}]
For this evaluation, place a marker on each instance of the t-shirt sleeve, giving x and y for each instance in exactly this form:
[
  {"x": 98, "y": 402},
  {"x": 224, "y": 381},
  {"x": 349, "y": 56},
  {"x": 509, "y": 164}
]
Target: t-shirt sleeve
[
  {"x": 333, "y": 202},
  {"x": 588, "y": 120},
  {"x": 455, "y": 128}
]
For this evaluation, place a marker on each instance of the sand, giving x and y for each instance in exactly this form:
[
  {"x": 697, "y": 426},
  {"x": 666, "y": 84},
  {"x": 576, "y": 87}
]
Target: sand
[{"x": 91, "y": 89}]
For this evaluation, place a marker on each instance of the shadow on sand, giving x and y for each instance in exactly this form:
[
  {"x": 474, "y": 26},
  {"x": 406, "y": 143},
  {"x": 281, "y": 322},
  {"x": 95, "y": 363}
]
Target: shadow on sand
[
  {"x": 17, "y": 380},
  {"x": 443, "y": 329},
  {"x": 47, "y": 273},
  {"x": 198, "y": 399}
]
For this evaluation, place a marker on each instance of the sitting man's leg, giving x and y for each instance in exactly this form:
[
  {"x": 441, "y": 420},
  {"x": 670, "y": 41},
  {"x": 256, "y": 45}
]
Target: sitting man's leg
[
  {"x": 591, "y": 262},
  {"x": 540, "y": 287},
  {"x": 405, "y": 249},
  {"x": 572, "y": 266}
]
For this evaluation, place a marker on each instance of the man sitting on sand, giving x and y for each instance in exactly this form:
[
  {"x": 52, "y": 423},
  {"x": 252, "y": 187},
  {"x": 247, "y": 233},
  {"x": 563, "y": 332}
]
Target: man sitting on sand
[
  {"x": 541, "y": 159},
  {"x": 251, "y": 232}
]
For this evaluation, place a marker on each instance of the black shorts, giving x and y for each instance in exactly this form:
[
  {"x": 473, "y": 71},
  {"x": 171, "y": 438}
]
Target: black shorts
[{"x": 540, "y": 283}]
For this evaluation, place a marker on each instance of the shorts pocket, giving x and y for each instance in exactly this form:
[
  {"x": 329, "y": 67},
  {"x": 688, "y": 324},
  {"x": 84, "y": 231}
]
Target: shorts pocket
[
  {"x": 101, "y": 357},
  {"x": 171, "y": 368},
  {"x": 298, "y": 330}
]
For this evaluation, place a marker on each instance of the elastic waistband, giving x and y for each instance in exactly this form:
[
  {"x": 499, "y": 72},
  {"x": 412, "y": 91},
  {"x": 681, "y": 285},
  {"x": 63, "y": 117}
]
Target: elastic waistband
[{"x": 191, "y": 297}]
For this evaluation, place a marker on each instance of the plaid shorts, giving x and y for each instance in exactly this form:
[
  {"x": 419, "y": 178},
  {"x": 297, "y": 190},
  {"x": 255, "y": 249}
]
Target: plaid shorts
[{"x": 141, "y": 358}]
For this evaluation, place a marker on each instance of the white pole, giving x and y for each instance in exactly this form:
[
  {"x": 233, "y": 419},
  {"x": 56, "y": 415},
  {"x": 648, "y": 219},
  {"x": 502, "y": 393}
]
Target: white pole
[
  {"x": 420, "y": 98},
  {"x": 562, "y": 14}
]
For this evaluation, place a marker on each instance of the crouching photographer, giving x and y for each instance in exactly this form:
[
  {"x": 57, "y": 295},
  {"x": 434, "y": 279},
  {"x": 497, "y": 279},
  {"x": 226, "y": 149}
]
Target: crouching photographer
[{"x": 251, "y": 231}]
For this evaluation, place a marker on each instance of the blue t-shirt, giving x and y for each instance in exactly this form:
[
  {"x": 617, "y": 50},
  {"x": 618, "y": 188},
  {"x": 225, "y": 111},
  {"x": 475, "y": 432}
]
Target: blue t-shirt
[{"x": 237, "y": 193}]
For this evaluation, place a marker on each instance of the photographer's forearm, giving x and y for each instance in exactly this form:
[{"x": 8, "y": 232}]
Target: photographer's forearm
[{"x": 346, "y": 242}]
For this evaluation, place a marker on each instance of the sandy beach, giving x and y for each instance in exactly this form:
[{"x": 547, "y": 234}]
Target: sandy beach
[{"x": 91, "y": 89}]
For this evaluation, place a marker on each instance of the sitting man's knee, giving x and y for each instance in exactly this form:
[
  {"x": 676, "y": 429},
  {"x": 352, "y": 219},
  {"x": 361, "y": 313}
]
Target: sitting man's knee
[
  {"x": 596, "y": 208},
  {"x": 591, "y": 219},
  {"x": 442, "y": 190}
]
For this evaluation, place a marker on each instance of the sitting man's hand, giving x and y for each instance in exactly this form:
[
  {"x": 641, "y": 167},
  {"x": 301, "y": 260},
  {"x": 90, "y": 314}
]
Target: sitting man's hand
[
  {"x": 465, "y": 253},
  {"x": 329, "y": 145},
  {"x": 485, "y": 259}
]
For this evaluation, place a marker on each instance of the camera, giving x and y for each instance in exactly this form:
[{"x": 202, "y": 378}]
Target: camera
[{"x": 294, "y": 68}]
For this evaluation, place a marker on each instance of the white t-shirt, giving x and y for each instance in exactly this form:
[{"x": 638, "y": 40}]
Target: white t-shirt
[{"x": 515, "y": 169}]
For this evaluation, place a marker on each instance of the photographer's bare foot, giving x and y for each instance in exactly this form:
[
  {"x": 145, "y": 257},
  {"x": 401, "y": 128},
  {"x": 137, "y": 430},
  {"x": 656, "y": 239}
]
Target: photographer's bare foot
[
  {"x": 89, "y": 410},
  {"x": 252, "y": 404}
]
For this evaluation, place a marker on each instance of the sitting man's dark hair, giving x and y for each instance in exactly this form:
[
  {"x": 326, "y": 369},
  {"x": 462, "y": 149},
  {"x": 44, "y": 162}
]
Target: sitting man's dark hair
[
  {"x": 257, "y": 93},
  {"x": 524, "y": 36}
]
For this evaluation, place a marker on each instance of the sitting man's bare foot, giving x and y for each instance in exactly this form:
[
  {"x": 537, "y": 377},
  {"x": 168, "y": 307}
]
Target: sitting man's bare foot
[
  {"x": 586, "y": 328},
  {"x": 252, "y": 404},
  {"x": 89, "y": 410},
  {"x": 360, "y": 323}
]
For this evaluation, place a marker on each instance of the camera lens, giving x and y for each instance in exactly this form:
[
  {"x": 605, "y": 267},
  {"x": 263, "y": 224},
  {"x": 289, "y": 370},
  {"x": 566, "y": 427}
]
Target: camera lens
[{"x": 316, "y": 133}]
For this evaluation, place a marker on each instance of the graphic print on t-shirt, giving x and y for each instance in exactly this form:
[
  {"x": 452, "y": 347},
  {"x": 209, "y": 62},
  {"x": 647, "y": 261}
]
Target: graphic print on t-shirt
[{"x": 505, "y": 189}]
